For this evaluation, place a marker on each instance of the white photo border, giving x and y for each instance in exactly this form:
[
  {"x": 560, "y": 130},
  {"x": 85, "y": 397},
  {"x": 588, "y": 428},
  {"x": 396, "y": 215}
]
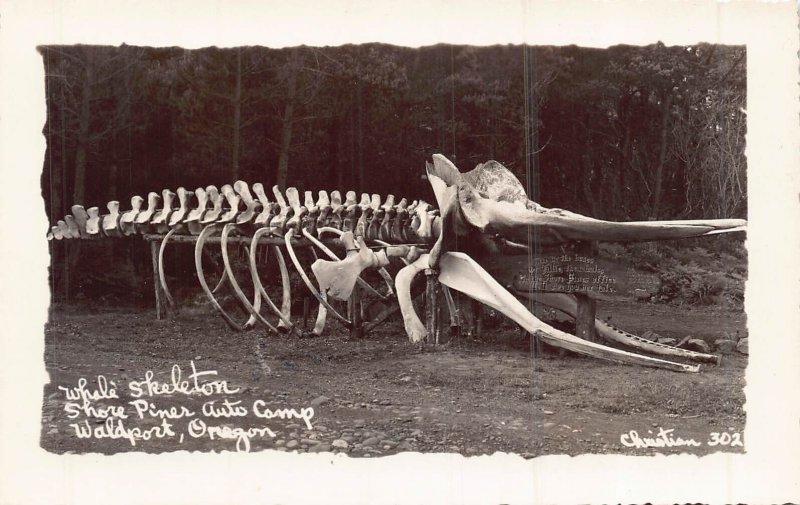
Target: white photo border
[{"x": 768, "y": 472}]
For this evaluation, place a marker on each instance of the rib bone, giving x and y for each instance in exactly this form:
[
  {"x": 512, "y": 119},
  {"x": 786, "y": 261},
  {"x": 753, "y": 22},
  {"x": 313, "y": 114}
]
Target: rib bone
[
  {"x": 414, "y": 328},
  {"x": 319, "y": 295},
  {"x": 253, "y": 308},
  {"x": 284, "y": 314},
  {"x": 198, "y": 262}
]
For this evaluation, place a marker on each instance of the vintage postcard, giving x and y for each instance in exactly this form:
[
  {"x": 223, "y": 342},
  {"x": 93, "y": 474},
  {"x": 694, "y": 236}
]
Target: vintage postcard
[{"x": 519, "y": 253}]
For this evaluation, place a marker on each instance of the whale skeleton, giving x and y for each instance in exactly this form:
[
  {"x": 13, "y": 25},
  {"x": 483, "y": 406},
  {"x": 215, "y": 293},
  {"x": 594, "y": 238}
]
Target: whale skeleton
[{"x": 483, "y": 218}]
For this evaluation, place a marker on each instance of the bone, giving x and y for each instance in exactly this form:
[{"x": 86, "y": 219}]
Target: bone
[
  {"x": 351, "y": 212},
  {"x": 195, "y": 215},
  {"x": 309, "y": 221},
  {"x": 128, "y": 219},
  {"x": 143, "y": 219},
  {"x": 324, "y": 206},
  {"x": 284, "y": 315},
  {"x": 202, "y": 205},
  {"x": 80, "y": 216},
  {"x": 372, "y": 231},
  {"x": 517, "y": 222},
  {"x": 336, "y": 199},
  {"x": 361, "y": 282},
  {"x": 319, "y": 295},
  {"x": 277, "y": 224},
  {"x": 387, "y": 216},
  {"x": 253, "y": 308},
  {"x": 258, "y": 189},
  {"x": 74, "y": 232},
  {"x": 268, "y": 208},
  {"x": 373, "y": 228},
  {"x": 93, "y": 221},
  {"x": 309, "y": 202},
  {"x": 415, "y": 329},
  {"x": 110, "y": 221},
  {"x": 286, "y": 302},
  {"x": 162, "y": 279},
  {"x": 459, "y": 271},
  {"x": 568, "y": 305},
  {"x": 198, "y": 262},
  {"x": 252, "y": 206},
  {"x": 421, "y": 222},
  {"x": 367, "y": 208},
  {"x": 399, "y": 225},
  {"x": 182, "y": 211},
  {"x": 232, "y": 200},
  {"x": 337, "y": 278},
  {"x": 64, "y": 229},
  {"x": 215, "y": 198},
  {"x": 491, "y": 199},
  {"x": 447, "y": 227},
  {"x": 336, "y": 209},
  {"x": 55, "y": 233},
  {"x": 350, "y": 218},
  {"x": 161, "y": 217},
  {"x": 298, "y": 211}
]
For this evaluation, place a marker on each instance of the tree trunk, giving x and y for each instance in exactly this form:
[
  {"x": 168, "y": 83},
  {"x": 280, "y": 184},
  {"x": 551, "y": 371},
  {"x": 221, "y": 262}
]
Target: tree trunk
[
  {"x": 620, "y": 192},
  {"x": 662, "y": 157},
  {"x": 288, "y": 119},
  {"x": 79, "y": 188},
  {"x": 237, "y": 117},
  {"x": 360, "y": 136}
]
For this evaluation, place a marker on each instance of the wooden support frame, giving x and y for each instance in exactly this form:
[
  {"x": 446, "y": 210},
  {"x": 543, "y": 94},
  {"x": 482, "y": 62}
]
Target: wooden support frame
[
  {"x": 161, "y": 304},
  {"x": 587, "y": 306},
  {"x": 433, "y": 309},
  {"x": 354, "y": 309}
]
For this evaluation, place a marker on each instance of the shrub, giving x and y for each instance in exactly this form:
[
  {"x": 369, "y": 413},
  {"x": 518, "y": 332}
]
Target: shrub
[{"x": 689, "y": 273}]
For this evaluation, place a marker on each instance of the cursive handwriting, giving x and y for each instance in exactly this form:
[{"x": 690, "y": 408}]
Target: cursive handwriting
[
  {"x": 115, "y": 428},
  {"x": 199, "y": 428},
  {"x": 81, "y": 392},
  {"x": 663, "y": 438},
  {"x": 99, "y": 412},
  {"x": 305, "y": 413},
  {"x": 151, "y": 387}
]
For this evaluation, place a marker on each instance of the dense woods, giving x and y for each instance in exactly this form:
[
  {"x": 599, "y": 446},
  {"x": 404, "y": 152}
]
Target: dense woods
[{"x": 623, "y": 133}]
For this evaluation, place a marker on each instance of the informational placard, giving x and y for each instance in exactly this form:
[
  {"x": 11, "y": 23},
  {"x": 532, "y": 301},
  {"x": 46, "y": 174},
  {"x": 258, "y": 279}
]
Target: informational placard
[{"x": 576, "y": 273}]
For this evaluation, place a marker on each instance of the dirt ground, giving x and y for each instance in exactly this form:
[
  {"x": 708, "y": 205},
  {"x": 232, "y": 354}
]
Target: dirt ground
[{"x": 381, "y": 394}]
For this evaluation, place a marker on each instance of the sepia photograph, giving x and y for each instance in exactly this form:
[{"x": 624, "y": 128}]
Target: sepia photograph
[
  {"x": 569, "y": 223},
  {"x": 384, "y": 252}
]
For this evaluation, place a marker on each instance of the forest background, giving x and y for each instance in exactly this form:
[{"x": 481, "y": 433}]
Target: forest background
[{"x": 625, "y": 133}]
